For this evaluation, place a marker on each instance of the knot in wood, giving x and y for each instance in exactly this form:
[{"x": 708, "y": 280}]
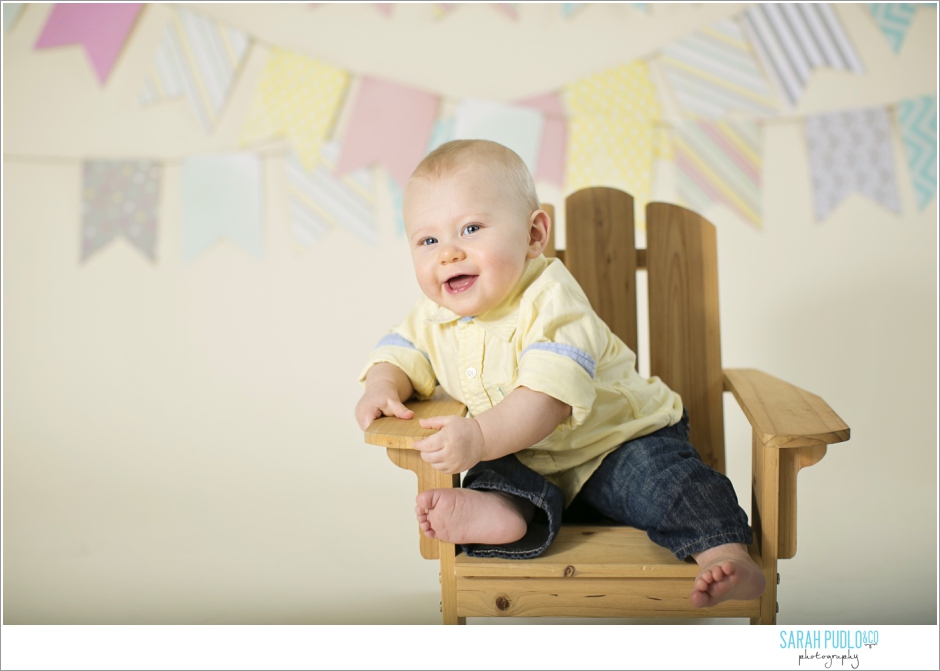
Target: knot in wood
[
  {"x": 502, "y": 603},
  {"x": 569, "y": 571}
]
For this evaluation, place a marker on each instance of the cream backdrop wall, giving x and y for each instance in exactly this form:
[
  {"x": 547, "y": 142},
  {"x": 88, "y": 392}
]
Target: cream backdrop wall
[{"x": 178, "y": 438}]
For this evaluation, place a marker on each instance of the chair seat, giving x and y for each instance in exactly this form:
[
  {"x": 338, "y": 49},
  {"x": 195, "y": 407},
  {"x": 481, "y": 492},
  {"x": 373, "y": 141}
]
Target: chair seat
[{"x": 588, "y": 571}]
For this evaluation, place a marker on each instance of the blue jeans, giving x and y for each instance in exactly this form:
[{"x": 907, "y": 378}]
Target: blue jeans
[{"x": 657, "y": 483}]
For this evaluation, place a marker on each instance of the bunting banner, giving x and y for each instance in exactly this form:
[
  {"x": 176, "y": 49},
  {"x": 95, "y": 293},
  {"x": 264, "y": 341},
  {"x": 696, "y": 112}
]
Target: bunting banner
[
  {"x": 568, "y": 8},
  {"x": 510, "y": 9},
  {"x": 893, "y": 19},
  {"x": 11, "y": 12},
  {"x": 320, "y": 201},
  {"x": 554, "y": 144},
  {"x": 384, "y": 8},
  {"x": 719, "y": 162},
  {"x": 714, "y": 73},
  {"x": 198, "y": 58},
  {"x": 918, "y": 120},
  {"x": 792, "y": 40},
  {"x": 851, "y": 151},
  {"x": 610, "y": 131},
  {"x": 298, "y": 98},
  {"x": 517, "y": 127},
  {"x": 443, "y": 132},
  {"x": 389, "y": 124},
  {"x": 221, "y": 198},
  {"x": 120, "y": 199},
  {"x": 101, "y": 28}
]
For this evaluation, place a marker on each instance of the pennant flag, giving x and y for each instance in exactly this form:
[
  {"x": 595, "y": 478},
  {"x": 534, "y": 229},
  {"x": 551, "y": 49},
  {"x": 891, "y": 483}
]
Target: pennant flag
[
  {"x": 197, "y": 58},
  {"x": 384, "y": 7},
  {"x": 391, "y": 124},
  {"x": 221, "y": 197},
  {"x": 398, "y": 197},
  {"x": 851, "y": 151},
  {"x": 120, "y": 198},
  {"x": 320, "y": 201},
  {"x": 610, "y": 131},
  {"x": 641, "y": 6},
  {"x": 893, "y": 19},
  {"x": 918, "y": 120},
  {"x": 101, "y": 28},
  {"x": 442, "y": 9},
  {"x": 714, "y": 74},
  {"x": 298, "y": 97},
  {"x": 443, "y": 132},
  {"x": 792, "y": 40},
  {"x": 568, "y": 8},
  {"x": 510, "y": 9},
  {"x": 551, "y": 163},
  {"x": 519, "y": 128},
  {"x": 719, "y": 162},
  {"x": 11, "y": 12}
]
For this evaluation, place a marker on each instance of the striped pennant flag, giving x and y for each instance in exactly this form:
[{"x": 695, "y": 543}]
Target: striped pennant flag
[
  {"x": 918, "y": 119},
  {"x": 893, "y": 19},
  {"x": 719, "y": 162},
  {"x": 851, "y": 151},
  {"x": 198, "y": 58},
  {"x": 319, "y": 201},
  {"x": 792, "y": 40},
  {"x": 714, "y": 73}
]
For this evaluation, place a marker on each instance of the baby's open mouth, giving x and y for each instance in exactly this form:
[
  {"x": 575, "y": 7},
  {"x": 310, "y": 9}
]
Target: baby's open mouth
[{"x": 460, "y": 283}]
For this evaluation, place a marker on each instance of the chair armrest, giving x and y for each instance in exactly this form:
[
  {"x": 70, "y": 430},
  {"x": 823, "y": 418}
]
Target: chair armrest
[
  {"x": 400, "y": 434},
  {"x": 781, "y": 414}
]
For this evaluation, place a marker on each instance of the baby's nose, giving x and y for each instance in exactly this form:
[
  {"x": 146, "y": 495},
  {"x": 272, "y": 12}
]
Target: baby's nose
[{"x": 451, "y": 253}]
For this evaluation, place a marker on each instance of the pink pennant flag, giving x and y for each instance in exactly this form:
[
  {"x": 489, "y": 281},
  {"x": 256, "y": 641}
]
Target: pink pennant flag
[
  {"x": 101, "y": 28},
  {"x": 384, "y": 7},
  {"x": 508, "y": 8},
  {"x": 551, "y": 165},
  {"x": 390, "y": 123}
]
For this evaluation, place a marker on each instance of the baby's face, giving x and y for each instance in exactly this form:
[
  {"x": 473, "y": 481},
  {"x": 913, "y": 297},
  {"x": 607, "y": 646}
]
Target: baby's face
[{"x": 469, "y": 239}]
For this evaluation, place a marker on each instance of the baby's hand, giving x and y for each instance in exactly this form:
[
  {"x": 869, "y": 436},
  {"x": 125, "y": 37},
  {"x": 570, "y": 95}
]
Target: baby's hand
[
  {"x": 457, "y": 446},
  {"x": 380, "y": 398}
]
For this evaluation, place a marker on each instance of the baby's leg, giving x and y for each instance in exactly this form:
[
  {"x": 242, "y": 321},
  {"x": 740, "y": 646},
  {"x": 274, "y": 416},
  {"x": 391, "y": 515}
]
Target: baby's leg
[
  {"x": 728, "y": 572},
  {"x": 473, "y": 516}
]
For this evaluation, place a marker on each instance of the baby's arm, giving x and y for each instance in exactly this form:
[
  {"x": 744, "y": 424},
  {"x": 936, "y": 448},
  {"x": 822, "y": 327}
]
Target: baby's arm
[
  {"x": 387, "y": 387},
  {"x": 519, "y": 421}
]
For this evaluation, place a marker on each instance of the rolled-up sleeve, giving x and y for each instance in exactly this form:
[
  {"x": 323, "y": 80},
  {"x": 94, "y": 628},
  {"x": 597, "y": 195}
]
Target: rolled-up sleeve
[
  {"x": 560, "y": 349},
  {"x": 402, "y": 347}
]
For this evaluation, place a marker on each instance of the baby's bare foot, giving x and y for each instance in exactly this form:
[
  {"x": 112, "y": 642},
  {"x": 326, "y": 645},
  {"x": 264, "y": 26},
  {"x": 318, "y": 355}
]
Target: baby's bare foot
[
  {"x": 470, "y": 516},
  {"x": 728, "y": 572}
]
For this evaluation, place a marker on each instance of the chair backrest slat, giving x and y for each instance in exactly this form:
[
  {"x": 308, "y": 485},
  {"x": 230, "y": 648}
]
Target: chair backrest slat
[
  {"x": 685, "y": 340},
  {"x": 600, "y": 253}
]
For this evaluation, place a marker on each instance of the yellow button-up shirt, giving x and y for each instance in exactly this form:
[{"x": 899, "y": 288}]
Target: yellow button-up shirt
[{"x": 545, "y": 336}]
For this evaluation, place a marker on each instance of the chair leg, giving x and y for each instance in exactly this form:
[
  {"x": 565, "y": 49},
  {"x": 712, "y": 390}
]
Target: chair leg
[
  {"x": 449, "y": 586},
  {"x": 765, "y": 514}
]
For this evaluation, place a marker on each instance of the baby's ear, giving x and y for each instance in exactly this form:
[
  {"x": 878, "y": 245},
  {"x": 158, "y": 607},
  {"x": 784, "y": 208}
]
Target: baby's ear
[{"x": 540, "y": 228}]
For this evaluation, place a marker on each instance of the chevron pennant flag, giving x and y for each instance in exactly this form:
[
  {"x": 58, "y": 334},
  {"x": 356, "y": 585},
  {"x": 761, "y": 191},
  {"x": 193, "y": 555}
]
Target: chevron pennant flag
[
  {"x": 221, "y": 198},
  {"x": 198, "y": 58},
  {"x": 610, "y": 131},
  {"x": 320, "y": 201},
  {"x": 893, "y": 19},
  {"x": 11, "y": 12},
  {"x": 298, "y": 98},
  {"x": 851, "y": 151},
  {"x": 918, "y": 120},
  {"x": 714, "y": 73},
  {"x": 792, "y": 40},
  {"x": 120, "y": 198},
  {"x": 101, "y": 28},
  {"x": 719, "y": 162}
]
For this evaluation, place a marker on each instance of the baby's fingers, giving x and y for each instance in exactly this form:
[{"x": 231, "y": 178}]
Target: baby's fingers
[{"x": 398, "y": 409}]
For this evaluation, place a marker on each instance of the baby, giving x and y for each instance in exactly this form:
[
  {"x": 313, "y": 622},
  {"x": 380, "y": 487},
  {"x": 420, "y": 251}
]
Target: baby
[{"x": 558, "y": 416}]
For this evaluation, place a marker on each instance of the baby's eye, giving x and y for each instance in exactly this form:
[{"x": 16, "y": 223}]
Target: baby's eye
[
  {"x": 471, "y": 228},
  {"x": 428, "y": 241}
]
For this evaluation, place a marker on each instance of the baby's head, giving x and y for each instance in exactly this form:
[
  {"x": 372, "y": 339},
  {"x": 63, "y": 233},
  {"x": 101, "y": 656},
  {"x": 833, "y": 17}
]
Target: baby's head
[{"x": 473, "y": 223}]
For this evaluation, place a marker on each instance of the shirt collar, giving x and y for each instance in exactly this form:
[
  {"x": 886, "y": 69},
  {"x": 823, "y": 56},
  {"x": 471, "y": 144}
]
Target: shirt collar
[{"x": 500, "y": 321}]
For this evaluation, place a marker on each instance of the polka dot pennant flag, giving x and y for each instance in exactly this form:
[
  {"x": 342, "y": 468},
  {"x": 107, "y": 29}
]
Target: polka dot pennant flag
[
  {"x": 298, "y": 98},
  {"x": 120, "y": 199},
  {"x": 198, "y": 58},
  {"x": 611, "y": 132},
  {"x": 851, "y": 151},
  {"x": 918, "y": 120}
]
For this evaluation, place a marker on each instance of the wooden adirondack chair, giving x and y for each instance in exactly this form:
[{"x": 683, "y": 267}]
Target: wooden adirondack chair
[{"x": 616, "y": 571}]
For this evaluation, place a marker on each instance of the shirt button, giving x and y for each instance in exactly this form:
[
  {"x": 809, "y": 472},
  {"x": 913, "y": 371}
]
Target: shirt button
[{"x": 471, "y": 372}]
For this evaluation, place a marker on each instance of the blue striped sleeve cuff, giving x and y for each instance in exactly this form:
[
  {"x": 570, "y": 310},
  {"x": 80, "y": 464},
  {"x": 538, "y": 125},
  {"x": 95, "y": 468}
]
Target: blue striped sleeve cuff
[{"x": 579, "y": 356}]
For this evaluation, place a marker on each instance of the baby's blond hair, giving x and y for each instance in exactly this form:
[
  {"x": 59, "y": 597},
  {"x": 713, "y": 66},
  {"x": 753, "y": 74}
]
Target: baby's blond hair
[{"x": 456, "y": 153}]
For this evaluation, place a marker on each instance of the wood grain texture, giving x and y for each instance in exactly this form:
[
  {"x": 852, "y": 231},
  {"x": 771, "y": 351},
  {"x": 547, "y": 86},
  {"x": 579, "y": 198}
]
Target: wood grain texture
[
  {"x": 600, "y": 253},
  {"x": 685, "y": 343},
  {"x": 400, "y": 434},
  {"x": 590, "y": 597},
  {"x": 765, "y": 520},
  {"x": 783, "y": 415},
  {"x": 586, "y": 551}
]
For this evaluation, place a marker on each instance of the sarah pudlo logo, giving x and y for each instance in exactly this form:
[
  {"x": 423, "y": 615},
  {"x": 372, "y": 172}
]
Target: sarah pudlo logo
[{"x": 829, "y": 645}]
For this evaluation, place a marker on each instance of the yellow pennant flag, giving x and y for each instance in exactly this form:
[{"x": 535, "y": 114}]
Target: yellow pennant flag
[
  {"x": 611, "y": 138},
  {"x": 298, "y": 98}
]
